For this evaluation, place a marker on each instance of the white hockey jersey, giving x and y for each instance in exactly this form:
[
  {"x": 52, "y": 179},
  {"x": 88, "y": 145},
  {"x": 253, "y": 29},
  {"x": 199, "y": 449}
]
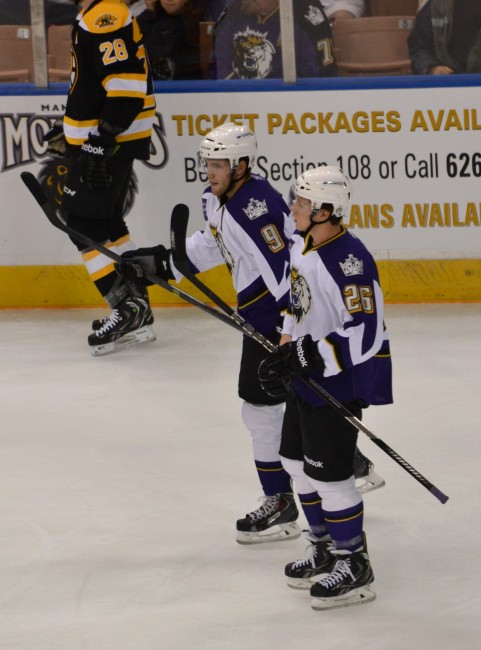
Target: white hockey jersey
[
  {"x": 337, "y": 299},
  {"x": 250, "y": 233}
]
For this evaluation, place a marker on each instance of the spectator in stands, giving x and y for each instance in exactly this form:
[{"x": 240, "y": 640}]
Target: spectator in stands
[
  {"x": 171, "y": 36},
  {"x": 248, "y": 45},
  {"x": 337, "y": 9},
  {"x": 446, "y": 38}
]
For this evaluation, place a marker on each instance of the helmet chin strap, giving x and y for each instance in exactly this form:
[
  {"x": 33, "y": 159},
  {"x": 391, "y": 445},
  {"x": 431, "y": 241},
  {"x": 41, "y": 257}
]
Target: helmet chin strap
[
  {"x": 314, "y": 223},
  {"x": 224, "y": 198}
]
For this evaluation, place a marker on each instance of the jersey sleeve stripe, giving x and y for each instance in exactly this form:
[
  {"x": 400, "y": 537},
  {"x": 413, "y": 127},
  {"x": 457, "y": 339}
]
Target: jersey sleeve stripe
[
  {"x": 126, "y": 93},
  {"x": 127, "y": 82},
  {"x": 133, "y": 136},
  {"x": 68, "y": 121}
]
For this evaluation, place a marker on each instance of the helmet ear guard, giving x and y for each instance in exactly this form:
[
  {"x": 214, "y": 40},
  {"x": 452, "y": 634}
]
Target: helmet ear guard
[
  {"x": 231, "y": 142},
  {"x": 328, "y": 188}
]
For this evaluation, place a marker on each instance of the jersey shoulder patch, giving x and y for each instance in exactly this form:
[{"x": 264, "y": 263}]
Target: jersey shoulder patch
[{"x": 107, "y": 16}]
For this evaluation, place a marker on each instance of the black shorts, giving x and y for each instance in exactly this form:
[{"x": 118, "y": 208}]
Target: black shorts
[
  {"x": 98, "y": 213},
  {"x": 250, "y": 388},
  {"x": 320, "y": 437}
]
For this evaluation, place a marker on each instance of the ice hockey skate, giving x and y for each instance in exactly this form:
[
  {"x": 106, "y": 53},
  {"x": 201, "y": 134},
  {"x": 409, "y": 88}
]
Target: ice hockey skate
[
  {"x": 139, "y": 292},
  {"x": 129, "y": 324},
  {"x": 273, "y": 521},
  {"x": 366, "y": 478},
  {"x": 100, "y": 322},
  {"x": 347, "y": 584},
  {"x": 318, "y": 560}
]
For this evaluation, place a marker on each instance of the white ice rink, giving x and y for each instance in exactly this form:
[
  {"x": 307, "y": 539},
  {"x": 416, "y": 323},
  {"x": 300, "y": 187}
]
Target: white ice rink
[{"x": 122, "y": 477}]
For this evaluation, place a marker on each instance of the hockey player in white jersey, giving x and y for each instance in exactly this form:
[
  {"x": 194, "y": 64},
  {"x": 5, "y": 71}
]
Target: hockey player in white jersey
[
  {"x": 334, "y": 332},
  {"x": 248, "y": 227}
]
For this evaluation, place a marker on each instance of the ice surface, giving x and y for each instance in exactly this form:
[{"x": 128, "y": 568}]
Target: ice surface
[{"x": 122, "y": 477}]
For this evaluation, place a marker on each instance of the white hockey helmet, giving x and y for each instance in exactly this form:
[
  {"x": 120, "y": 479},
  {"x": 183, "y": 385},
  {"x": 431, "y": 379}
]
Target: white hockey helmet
[
  {"x": 229, "y": 142},
  {"x": 326, "y": 184}
]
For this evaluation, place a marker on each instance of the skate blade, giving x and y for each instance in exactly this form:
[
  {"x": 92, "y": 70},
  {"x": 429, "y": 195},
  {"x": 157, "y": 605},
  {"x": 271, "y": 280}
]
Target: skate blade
[
  {"x": 305, "y": 583},
  {"x": 144, "y": 334},
  {"x": 369, "y": 483},
  {"x": 357, "y": 596},
  {"x": 279, "y": 533}
]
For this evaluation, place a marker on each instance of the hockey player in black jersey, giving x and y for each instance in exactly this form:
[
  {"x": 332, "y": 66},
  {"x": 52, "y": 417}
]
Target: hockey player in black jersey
[
  {"x": 106, "y": 126},
  {"x": 247, "y": 228},
  {"x": 334, "y": 332}
]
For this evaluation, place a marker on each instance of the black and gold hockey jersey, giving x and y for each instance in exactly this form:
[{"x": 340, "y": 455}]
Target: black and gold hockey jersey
[{"x": 110, "y": 80}]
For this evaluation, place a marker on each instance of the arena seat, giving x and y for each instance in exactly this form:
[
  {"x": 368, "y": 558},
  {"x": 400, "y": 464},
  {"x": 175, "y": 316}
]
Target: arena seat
[{"x": 373, "y": 45}]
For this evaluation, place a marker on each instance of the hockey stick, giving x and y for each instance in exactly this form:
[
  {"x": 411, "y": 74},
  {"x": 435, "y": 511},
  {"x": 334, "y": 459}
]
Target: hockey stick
[{"x": 178, "y": 233}]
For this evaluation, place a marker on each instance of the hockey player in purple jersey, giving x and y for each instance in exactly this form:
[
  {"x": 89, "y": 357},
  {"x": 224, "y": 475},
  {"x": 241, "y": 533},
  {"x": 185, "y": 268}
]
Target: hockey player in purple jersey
[
  {"x": 334, "y": 332},
  {"x": 248, "y": 227}
]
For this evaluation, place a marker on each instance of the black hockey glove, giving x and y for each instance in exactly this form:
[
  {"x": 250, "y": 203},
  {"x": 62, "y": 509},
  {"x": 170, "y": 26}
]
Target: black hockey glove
[
  {"x": 95, "y": 157},
  {"x": 55, "y": 139},
  {"x": 291, "y": 359},
  {"x": 146, "y": 261},
  {"x": 273, "y": 384}
]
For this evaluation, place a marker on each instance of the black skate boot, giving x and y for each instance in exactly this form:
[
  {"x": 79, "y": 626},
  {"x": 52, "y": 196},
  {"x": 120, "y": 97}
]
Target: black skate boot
[
  {"x": 138, "y": 292},
  {"x": 100, "y": 322},
  {"x": 318, "y": 560},
  {"x": 366, "y": 477},
  {"x": 347, "y": 584},
  {"x": 126, "y": 326},
  {"x": 274, "y": 521}
]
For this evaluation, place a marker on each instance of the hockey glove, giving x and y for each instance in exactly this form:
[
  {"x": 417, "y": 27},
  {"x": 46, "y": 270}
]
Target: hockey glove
[
  {"x": 95, "y": 158},
  {"x": 291, "y": 359},
  {"x": 146, "y": 261},
  {"x": 55, "y": 139},
  {"x": 273, "y": 384}
]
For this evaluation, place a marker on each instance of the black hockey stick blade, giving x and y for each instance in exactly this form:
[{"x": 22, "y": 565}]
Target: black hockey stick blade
[
  {"x": 178, "y": 232},
  {"x": 35, "y": 188}
]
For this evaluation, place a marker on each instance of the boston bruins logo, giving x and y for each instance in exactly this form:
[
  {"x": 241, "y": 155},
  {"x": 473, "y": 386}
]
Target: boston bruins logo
[
  {"x": 301, "y": 296},
  {"x": 105, "y": 20}
]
